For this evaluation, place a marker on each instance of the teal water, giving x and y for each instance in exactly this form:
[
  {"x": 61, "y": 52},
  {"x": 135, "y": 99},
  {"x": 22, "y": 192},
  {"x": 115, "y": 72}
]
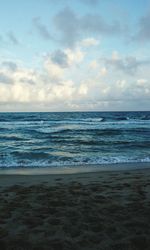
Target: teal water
[{"x": 73, "y": 139}]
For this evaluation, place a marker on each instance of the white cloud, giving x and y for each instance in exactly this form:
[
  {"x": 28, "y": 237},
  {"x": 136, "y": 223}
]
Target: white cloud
[
  {"x": 88, "y": 42},
  {"x": 74, "y": 56},
  {"x": 63, "y": 91},
  {"x": 103, "y": 71},
  {"x": 54, "y": 71},
  {"x": 121, "y": 84},
  {"x": 93, "y": 64},
  {"x": 91, "y": 86},
  {"x": 5, "y": 94},
  {"x": 83, "y": 89},
  {"x": 141, "y": 82},
  {"x": 106, "y": 90}
]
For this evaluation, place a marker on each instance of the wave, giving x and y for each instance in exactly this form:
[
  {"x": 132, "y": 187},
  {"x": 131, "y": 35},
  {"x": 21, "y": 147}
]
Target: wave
[
  {"x": 30, "y": 155},
  {"x": 91, "y": 120},
  {"x": 100, "y": 119},
  {"x": 51, "y": 132},
  {"x": 11, "y": 138},
  {"x": 62, "y": 132},
  {"x": 12, "y": 162}
]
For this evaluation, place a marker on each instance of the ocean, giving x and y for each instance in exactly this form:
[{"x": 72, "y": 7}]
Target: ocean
[{"x": 72, "y": 139}]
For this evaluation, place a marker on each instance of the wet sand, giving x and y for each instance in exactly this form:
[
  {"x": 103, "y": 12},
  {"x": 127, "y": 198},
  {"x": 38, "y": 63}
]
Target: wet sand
[{"x": 101, "y": 210}]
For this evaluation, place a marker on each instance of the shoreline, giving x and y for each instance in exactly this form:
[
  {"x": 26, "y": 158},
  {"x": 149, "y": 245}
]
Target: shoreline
[
  {"x": 52, "y": 177},
  {"x": 65, "y": 170}
]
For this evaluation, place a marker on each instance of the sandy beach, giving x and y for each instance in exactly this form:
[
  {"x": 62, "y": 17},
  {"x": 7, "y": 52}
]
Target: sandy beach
[{"x": 99, "y": 210}]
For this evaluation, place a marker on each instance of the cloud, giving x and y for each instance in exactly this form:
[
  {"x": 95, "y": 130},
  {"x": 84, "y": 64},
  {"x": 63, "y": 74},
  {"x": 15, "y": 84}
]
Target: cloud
[
  {"x": 54, "y": 70},
  {"x": 143, "y": 34},
  {"x": 12, "y": 73},
  {"x": 42, "y": 29},
  {"x": 60, "y": 57},
  {"x": 103, "y": 71},
  {"x": 93, "y": 65},
  {"x": 88, "y": 42},
  {"x": 9, "y": 65},
  {"x": 96, "y": 24},
  {"x": 75, "y": 56},
  {"x": 66, "y": 94},
  {"x": 68, "y": 57},
  {"x": 4, "y": 79},
  {"x": 128, "y": 65},
  {"x": 13, "y": 38},
  {"x": 26, "y": 76},
  {"x": 66, "y": 23},
  {"x": 142, "y": 82},
  {"x": 31, "y": 87},
  {"x": 63, "y": 85},
  {"x": 72, "y": 27},
  {"x": 83, "y": 90}
]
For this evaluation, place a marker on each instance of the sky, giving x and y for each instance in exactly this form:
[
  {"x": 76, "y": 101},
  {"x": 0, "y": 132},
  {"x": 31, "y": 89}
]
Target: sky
[{"x": 74, "y": 55}]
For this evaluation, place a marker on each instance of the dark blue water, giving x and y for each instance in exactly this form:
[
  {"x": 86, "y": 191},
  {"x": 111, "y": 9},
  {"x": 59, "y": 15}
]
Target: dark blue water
[{"x": 75, "y": 138}]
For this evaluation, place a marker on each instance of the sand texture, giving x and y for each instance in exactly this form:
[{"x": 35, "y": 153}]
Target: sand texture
[{"x": 109, "y": 211}]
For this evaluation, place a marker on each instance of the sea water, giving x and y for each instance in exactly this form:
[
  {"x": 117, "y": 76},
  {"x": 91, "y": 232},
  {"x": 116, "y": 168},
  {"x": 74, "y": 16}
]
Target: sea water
[{"x": 73, "y": 139}]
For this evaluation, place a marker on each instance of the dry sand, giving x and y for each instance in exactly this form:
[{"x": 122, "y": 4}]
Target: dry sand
[{"x": 102, "y": 210}]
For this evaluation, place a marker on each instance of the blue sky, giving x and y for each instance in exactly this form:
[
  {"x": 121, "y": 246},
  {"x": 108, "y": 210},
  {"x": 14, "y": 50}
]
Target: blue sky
[{"x": 68, "y": 55}]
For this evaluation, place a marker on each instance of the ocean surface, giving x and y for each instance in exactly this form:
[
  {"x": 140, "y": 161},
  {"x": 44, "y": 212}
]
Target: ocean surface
[{"x": 73, "y": 139}]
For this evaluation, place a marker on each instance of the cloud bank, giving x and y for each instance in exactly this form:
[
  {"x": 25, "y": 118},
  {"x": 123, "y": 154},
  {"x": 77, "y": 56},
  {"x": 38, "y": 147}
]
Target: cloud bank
[{"x": 60, "y": 84}]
